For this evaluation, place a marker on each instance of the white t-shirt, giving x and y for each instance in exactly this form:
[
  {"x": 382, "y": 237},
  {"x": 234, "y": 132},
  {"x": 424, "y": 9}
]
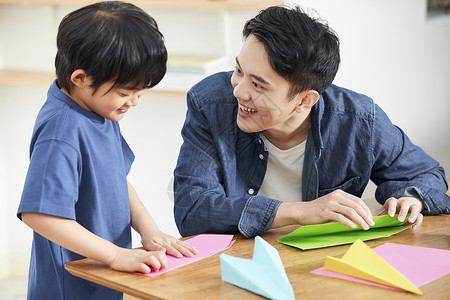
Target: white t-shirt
[{"x": 283, "y": 178}]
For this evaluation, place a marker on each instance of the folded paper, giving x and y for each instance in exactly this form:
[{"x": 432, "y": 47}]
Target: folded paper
[
  {"x": 332, "y": 234},
  {"x": 420, "y": 265},
  {"x": 362, "y": 262},
  {"x": 263, "y": 275},
  {"x": 206, "y": 245}
]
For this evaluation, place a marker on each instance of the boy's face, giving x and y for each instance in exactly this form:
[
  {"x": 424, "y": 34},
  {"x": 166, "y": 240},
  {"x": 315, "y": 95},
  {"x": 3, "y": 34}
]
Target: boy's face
[
  {"x": 109, "y": 103},
  {"x": 261, "y": 93}
]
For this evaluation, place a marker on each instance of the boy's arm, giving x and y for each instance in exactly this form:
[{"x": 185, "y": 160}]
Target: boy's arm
[
  {"x": 152, "y": 237},
  {"x": 82, "y": 241}
]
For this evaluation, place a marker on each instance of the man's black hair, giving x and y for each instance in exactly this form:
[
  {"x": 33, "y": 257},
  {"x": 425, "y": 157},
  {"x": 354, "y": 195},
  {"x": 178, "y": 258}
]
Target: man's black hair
[{"x": 301, "y": 49}]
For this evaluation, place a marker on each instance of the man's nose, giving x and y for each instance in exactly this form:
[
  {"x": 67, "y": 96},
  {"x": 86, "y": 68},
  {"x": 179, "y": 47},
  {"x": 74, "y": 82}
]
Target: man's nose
[{"x": 241, "y": 91}]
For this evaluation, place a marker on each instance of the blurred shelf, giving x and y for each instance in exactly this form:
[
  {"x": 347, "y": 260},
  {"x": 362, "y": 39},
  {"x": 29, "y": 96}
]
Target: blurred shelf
[
  {"x": 183, "y": 71},
  {"x": 26, "y": 78},
  {"x": 207, "y": 4},
  {"x": 203, "y": 64},
  {"x": 171, "y": 84}
]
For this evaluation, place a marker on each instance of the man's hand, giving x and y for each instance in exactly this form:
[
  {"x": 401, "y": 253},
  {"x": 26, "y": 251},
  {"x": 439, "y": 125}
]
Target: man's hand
[
  {"x": 403, "y": 206},
  {"x": 337, "y": 206}
]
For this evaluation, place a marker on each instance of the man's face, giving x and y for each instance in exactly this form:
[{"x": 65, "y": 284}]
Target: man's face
[{"x": 261, "y": 93}]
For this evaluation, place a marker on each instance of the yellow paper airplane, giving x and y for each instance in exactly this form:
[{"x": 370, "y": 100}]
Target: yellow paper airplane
[{"x": 362, "y": 262}]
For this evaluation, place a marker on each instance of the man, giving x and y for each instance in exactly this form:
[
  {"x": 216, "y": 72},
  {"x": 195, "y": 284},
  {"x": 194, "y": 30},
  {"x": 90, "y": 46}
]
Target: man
[{"x": 275, "y": 143}]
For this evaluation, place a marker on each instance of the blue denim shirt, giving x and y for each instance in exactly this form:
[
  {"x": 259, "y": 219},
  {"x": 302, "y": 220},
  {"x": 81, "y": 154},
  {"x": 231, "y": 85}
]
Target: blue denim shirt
[{"x": 221, "y": 168}]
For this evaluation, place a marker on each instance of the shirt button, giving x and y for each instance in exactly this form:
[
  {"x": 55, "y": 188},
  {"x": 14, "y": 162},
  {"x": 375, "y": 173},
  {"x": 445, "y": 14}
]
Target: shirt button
[
  {"x": 259, "y": 141},
  {"x": 261, "y": 156},
  {"x": 251, "y": 191}
]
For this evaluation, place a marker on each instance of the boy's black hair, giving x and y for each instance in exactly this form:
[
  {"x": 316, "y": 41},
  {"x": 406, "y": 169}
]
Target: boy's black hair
[
  {"x": 301, "y": 49},
  {"x": 110, "y": 41}
]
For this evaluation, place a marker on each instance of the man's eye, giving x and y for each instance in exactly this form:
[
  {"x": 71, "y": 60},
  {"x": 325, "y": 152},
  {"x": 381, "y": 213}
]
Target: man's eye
[{"x": 255, "y": 84}]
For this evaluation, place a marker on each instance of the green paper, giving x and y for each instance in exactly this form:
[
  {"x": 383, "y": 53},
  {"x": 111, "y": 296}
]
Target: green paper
[{"x": 332, "y": 234}]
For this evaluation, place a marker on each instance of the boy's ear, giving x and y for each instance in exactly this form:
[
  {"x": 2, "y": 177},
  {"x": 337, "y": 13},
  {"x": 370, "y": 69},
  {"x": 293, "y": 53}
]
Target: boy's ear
[
  {"x": 308, "y": 99},
  {"x": 78, "y": 78}
]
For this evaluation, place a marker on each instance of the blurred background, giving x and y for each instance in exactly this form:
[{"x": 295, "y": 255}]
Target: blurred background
[{"x": 395, "y": 51}]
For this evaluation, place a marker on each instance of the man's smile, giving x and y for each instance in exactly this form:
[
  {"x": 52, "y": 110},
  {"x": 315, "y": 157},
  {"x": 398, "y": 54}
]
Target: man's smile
[{"x": 246, "y": 109}]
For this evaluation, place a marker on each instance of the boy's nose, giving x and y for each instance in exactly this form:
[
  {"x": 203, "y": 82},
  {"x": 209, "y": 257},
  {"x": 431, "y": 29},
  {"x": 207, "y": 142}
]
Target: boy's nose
[{"x": 133, "y": 101}]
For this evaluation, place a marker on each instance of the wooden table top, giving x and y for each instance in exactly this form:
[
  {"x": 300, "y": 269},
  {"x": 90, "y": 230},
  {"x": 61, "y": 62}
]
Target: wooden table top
[{"x": 202, "y": 279}]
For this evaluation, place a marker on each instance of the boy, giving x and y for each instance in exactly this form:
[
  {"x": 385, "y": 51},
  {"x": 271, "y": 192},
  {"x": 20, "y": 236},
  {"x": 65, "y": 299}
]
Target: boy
[
  {"x": 274, "y": 143},
  {"x": 76, "y": 196}
]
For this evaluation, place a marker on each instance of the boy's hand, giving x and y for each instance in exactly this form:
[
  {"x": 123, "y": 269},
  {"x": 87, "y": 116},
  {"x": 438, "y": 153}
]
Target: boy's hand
[
  {"x": 169, "y": 244},
  {"x": 138, "y": 260},
  {"x": 403, "y": 206}
]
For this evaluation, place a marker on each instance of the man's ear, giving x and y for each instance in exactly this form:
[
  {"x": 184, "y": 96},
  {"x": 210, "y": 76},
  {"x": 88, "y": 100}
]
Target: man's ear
[
  {"x": 308, "y": 99},
  {"x": 78, "y": 78}
]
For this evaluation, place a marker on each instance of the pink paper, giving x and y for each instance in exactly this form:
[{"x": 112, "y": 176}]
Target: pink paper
[
  {"x": 206, "y": 244},
  {"x": 420, "y": 265}
]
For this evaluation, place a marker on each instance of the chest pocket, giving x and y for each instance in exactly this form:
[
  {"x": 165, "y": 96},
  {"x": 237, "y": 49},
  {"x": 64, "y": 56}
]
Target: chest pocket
[{"x": 351, "y": 186}]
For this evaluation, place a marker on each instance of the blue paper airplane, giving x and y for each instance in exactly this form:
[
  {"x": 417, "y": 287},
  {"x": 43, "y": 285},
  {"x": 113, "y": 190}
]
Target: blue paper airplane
[{"x": 263, "y": 275}]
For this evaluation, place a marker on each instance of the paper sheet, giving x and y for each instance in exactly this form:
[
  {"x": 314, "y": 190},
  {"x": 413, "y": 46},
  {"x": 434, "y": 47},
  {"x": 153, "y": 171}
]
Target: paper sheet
[
  {"x": 332, "y": 234},
  {"x": 206, "y": 244}
]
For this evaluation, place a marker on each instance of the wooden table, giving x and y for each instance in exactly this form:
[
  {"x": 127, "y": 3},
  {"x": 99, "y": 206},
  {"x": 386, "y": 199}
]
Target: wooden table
[{"x": 202, "y": 279}]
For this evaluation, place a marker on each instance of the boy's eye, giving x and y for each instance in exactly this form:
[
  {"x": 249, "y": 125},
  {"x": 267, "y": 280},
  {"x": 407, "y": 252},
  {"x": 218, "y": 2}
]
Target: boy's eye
[
  {"x": 237, "y": 69},
  {"x": 255, "y": 84},
  {"x": 123, "y": 95}
]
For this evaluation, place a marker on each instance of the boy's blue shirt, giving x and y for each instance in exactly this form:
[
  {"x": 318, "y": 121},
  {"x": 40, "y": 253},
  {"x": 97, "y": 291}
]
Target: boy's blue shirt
[
  {"x": 351, "y": 141},
  {"x": 78, "y": 167}
]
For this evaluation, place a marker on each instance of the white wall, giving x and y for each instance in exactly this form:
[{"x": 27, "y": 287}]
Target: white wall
[
  {"x": 27, "y": 37},
  {"x": 20, "y": 109},
  {"x": 3, "y": 231},
  {"x": 389, "y": 51},
  {"x": 152, "y": 129}
]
